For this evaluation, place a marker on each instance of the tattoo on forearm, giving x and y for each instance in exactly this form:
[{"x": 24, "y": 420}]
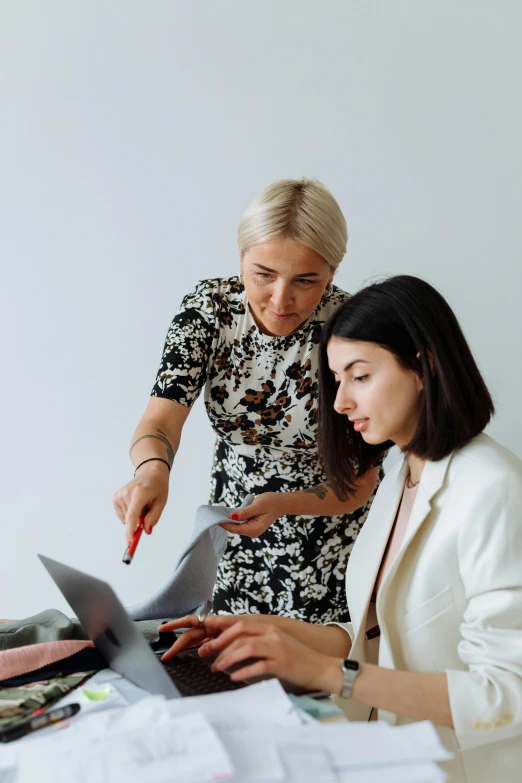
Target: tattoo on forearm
[
  {"x": 170, "y": 451},
  {"x": 163, "y": 438},
  {"x": 320, "y": 490}
]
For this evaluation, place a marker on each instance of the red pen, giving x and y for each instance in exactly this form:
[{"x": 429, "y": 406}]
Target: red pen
[{"x": 131, "y": 549}]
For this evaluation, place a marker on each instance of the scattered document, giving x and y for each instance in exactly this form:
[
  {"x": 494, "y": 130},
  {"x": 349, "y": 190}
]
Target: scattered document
[
  {"x": 428, "y": 772},
  {"x": 346, "y": 753},
  {"x": 141, "y": 742},
  {"x": 263, "y": 704},
  {"x": 7, "y": 764},
  {"x": 252, "y": 735}
]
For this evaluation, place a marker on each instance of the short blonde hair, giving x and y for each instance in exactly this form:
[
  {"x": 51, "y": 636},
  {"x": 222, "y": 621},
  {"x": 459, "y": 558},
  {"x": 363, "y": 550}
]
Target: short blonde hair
[{"x": 302, "y": 210}]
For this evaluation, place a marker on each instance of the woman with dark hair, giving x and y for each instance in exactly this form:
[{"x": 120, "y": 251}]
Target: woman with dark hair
[{"x": 434, "y": 582}]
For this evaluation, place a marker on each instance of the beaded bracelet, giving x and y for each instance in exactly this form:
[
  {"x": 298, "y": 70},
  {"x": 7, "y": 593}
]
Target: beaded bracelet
[{"x": 152, "y": 459}]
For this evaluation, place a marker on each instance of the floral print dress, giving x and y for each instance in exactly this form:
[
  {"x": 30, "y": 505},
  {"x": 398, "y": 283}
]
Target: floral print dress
[{"x": 261, "y": 398}]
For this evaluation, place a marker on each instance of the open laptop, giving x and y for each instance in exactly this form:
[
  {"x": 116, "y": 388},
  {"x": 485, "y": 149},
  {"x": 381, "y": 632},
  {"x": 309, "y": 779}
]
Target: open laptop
[{"x": 125, "y": 649}]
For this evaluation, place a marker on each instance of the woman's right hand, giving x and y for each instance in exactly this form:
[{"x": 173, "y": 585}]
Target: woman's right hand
[
  {"x": 197, "y": 635},
  {"x": 146, "y": 494}
]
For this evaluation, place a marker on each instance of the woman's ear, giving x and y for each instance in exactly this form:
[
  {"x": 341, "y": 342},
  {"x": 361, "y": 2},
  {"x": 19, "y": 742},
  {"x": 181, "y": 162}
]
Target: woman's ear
[{"x": 430, "y": 359}]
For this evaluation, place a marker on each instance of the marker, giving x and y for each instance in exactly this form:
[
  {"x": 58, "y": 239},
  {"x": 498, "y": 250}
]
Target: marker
[
  {"x": 131, "y": 549},
  {"x": 33, "y": 724}
]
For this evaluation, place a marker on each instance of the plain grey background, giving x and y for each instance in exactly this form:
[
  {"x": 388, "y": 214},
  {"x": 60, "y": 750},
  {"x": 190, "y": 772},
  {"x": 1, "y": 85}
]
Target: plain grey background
[{"x": 134, "y": 134}]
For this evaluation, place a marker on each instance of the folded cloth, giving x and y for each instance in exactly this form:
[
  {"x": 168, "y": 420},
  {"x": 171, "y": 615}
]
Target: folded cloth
[
  {"x": 21, "y": 660},
  {"x": 47, "y": 626},
  {"x": 88, "y": 659},
  {"x": 37, "y": 641},
  {"x": 194, "y": 577},
  {"x": 50, "y": 637}
]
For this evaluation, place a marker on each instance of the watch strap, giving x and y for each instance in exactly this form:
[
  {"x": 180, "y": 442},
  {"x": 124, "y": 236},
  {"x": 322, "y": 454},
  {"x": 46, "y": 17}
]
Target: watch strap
[{"x": 350, "y": 670}]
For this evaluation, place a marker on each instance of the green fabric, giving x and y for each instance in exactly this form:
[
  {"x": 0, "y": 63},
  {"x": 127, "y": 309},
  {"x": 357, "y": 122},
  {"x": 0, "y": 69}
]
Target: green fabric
[
  {"x": 18, "y": 703},
  {"x": 52, "y": 626},
  {"x": 48, "y": 626}
]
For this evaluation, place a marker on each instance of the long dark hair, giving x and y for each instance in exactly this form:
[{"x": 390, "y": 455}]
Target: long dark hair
[{"x": 409, "y": 318}]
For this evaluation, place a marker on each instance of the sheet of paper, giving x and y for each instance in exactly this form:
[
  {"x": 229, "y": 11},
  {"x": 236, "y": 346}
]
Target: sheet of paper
[
  {"x": 8, "y": 760},
  {"x": 136, "y": 744},
  {"x": 253, "y": 760},
  {"x": 366, "y": 752},
  {"x": 427, "y": 772},
  {"x": 351, "y": 751},
  {"x": 365, "y": 744},
  {"x": 265, "y": 703},
  {"x": 308, "y": 762}
]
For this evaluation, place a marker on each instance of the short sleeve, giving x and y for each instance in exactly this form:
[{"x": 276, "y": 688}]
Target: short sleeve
[
  {"x": 347, "y": 627},
  {"x": 188, "y": 347}
]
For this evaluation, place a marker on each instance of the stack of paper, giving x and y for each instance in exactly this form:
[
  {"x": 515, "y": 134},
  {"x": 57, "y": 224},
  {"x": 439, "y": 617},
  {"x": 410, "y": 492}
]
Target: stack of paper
[
  {"x": 253, "y": 735},
  {"x": 358, "y": 752},
  {"x": 141, "y": 742}
]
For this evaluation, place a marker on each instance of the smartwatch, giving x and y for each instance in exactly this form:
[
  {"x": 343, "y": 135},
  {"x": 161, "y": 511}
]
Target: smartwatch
[{"x": 350, "y": 670}]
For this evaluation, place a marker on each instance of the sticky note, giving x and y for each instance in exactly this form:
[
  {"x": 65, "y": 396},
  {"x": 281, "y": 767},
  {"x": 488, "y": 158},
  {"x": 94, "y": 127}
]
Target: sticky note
[{"x": 97, "y": 695}]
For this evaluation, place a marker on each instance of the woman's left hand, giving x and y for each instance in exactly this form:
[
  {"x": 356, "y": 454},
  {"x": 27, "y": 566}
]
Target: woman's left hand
[
  {"x": 277, "y": 654},
  {"x": 259, "y": 515}
]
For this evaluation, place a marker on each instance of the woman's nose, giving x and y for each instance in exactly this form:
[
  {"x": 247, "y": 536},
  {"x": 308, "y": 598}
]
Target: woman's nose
[
  {"x": 281, "y": 296},
  {"x": 342, "y": 404}
]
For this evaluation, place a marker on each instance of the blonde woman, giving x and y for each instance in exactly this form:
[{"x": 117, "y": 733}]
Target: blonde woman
[{"x": 252, "y": 343}]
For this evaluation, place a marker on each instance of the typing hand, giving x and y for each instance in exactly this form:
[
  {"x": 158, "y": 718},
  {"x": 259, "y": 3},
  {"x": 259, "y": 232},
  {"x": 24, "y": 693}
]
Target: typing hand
[
  {"x": 197, "y": 635},
  {"x": 264, "y": 649}
]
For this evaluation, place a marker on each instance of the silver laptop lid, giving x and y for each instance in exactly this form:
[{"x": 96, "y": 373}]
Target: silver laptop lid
[{"x": 103, "y": 616}]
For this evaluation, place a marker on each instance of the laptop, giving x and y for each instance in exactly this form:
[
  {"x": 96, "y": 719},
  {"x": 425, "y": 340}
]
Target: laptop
[
  {"x": 123, "y": 646},
  {"x": 126, "y": 650}
]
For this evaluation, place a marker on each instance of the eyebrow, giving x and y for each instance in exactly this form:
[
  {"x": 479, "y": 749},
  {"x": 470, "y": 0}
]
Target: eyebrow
[
  {"x": 350, "y": 365},
  {"x": 303, "y": 274}
]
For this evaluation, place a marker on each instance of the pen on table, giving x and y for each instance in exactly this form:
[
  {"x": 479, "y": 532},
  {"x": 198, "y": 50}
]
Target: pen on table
[
  {"x": 131, "y": 549},
  {"x": 40, "y": 722}
]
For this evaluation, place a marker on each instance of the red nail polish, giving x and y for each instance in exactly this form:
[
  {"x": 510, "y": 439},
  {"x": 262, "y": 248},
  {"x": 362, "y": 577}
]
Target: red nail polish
[{"x": 234, "y": 516}]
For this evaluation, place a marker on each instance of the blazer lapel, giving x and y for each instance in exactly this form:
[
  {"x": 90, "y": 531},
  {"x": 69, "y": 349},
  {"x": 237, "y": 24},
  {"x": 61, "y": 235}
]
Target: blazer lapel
[
  {"x": 432, "y": 479},
  {"x": 370, "y": 547}
]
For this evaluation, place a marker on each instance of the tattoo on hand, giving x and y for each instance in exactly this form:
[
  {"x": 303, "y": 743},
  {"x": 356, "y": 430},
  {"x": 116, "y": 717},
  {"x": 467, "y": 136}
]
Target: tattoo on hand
[
  {"x": 163, "y": 438},
  {"x": 320, "y": 490}
]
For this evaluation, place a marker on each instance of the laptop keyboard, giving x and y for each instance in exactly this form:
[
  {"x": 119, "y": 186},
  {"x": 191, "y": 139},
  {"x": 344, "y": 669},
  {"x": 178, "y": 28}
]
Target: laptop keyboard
[{"x": 193, "y": 677}]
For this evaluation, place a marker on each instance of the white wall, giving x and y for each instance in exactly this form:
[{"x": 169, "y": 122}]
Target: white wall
[{"x": 133, "y": 135}]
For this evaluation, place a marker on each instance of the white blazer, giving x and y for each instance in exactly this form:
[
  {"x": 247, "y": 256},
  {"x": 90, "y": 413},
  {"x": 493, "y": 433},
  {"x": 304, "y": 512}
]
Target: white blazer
[{"x": 451, "y": 601}]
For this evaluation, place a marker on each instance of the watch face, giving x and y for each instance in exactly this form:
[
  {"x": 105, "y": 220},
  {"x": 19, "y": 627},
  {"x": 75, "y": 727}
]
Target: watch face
[{"x": 351, "y": 665}]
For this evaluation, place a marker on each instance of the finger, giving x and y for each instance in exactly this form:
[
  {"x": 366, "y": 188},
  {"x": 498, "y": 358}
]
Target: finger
[
  {"x": 134, "y": 512},
  {"x": 189, "y": 621},
  {"x": 252, "y": 529},
  {"x": 234, "y": 527},
  {"x": 256, "y": 647},
  {"x": 214, "y": 623},
  {"x": 119, "y": 508},
  {"x": 206, "y": 648},
  {"x": 243, "y": 514},
  {"x": 192, "y": 638},
  {"x": 151, "y": 516},
  {"x": 261, "y": 668},
  {"x": 239, "y": 628}
]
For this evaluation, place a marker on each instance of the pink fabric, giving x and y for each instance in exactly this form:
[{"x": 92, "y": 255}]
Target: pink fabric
[{"x": 21, "y": 660}]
